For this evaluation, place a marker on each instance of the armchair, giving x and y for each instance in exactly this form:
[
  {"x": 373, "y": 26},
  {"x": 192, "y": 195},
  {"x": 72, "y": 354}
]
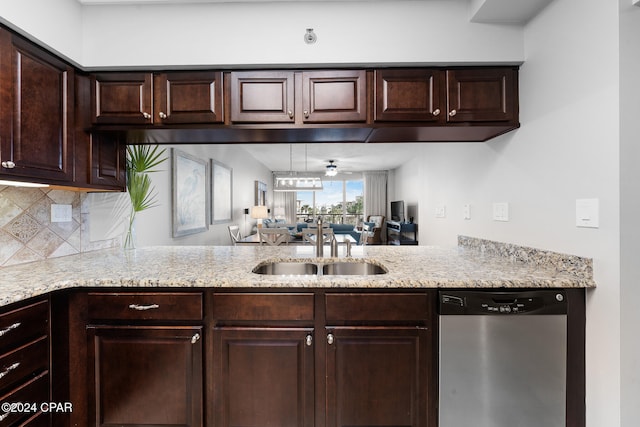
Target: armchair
[{"x": 373, "y": 227}]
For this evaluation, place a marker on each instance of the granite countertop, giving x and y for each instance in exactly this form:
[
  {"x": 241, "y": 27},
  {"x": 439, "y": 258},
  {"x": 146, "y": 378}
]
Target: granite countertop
[{"x": 474, "y": 263}]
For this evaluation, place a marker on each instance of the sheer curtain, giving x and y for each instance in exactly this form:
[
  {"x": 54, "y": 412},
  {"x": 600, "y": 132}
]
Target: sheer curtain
[
  {"x": 287, "y": 201},
  {"x": 375, "y": 193}
]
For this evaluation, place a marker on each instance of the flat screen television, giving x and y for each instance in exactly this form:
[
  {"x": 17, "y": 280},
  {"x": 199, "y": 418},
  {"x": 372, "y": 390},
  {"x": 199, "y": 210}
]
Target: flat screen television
[{"x": 397, "y": 211}]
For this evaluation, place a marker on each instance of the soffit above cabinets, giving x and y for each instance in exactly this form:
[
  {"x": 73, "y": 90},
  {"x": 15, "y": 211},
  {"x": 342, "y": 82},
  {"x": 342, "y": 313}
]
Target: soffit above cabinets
[{"x": 481, "y": 11}]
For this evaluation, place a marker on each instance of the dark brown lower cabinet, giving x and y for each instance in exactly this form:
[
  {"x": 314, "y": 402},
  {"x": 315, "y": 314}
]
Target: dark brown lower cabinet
[
  {"x": 377, "y": 376},
  {"x": 263, "y": 377},
  {"x": 145, "y": 376}
]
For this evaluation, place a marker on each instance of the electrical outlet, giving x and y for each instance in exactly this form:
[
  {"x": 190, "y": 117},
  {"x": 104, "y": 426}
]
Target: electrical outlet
[
  {"x": 61, "y": 213},
  {"x": 441, "y": 211},
  {"x": 501, "y": 211}
]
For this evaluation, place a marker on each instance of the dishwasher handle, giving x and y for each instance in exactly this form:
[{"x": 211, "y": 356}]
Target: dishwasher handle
[{"x": 549, "y": 301}]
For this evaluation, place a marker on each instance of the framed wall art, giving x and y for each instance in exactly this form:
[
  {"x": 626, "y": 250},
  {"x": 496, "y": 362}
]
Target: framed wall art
[
  {"x": 221, "y": 193},
  {"x": 261, "y": 194},
  {"x": 190, "y": 188}
]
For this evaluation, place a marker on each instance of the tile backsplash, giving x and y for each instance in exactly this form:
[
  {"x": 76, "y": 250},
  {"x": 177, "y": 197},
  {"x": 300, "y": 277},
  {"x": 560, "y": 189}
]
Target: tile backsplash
[{"x": 27, "y": 233}]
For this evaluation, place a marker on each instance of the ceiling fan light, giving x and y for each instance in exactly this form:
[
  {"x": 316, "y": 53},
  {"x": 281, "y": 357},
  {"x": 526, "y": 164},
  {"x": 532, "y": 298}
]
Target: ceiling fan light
[{"x": 332, "y": 170}]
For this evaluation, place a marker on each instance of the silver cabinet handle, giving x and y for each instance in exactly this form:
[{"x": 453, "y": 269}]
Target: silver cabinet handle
[
  {"x": 452, "y": 113},
  {"x": 162, "y": 115},
  {"x": 195, "y": 338},
  {"x": 306, "y": 114},
  {"x": 146, "y": 115},
  {"x": 436, "y": 112},
  {"x": 9, "y": 369},
  {"x": 143, "y": 307},
  {"x": 308, "y": 340},
  {"x": 330, "y": 339},
  {"x": 290, "y": 113},
  {"x": 9, "y": 328},
  {"x": 8, "y": 164}
]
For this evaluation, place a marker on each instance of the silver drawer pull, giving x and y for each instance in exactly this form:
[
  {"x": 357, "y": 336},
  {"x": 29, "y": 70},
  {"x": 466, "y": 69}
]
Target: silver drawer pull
[
  {"x": 9, "y": 328},
  {"x": 8, "y": 369},
  {"x": 143, "y": 307},
  {"x": 195, "y": 338}
]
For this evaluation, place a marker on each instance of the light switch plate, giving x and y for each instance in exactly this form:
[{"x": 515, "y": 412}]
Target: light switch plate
[
  {"x": 501, "y": 211},
  {"x": 61, "y": 213},
  {"x": 466, "y": 211},
  {"x": 588, "y": 213},
  {"x": 441, "y": 211}
]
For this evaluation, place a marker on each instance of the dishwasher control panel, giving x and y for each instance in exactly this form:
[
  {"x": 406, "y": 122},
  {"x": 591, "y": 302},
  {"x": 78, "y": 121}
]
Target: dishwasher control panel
[{"x": 502, "y": 302}]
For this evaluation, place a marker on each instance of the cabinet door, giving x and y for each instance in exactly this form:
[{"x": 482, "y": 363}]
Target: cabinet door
[
  {"x": 409, "y": 95},
  {"x": 37, "y": 112},
  {"x": 334, "y": 96},
  {"x": 188, "y": 97},
  {"x": 482, "y": 95},
  {"x": 121, "y": 98},
  {"x": 378, "y": 376},
  {"x": 264, "y": 377},
  {"x": 262, "y": 97},
  {"x": 145, "y": 376},
  {"x": 107, "y": 161}
]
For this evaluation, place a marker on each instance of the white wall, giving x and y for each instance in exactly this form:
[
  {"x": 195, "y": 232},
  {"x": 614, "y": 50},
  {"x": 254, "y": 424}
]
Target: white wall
[
  {"x": 154, "y": 226},
  {"x": 55, "y": 24},
  {"x": 630, "y": 210},
  {"x": 567, "y": 148},
  {"x": 435, "y": 31}
]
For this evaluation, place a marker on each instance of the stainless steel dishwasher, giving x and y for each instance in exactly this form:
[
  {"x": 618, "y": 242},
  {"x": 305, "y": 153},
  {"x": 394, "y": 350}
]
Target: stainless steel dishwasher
[{"x": 503, "y": 358}]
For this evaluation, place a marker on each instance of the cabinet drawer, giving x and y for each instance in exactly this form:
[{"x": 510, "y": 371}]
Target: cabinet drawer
[
  {"x": 145, "y": 306},
  {"x": 257, "y": 306},
  {"x": 26, "y": 360},
  {"x": 23, "y": 325},
  {"x": 35, "y": 391},
  {"x": 383, "y": 307}
]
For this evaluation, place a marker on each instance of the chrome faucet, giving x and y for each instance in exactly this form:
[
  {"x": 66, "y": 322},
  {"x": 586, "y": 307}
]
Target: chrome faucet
[
  {"x": 319, "y": 239},
  {"x": 334, "y": 246}
]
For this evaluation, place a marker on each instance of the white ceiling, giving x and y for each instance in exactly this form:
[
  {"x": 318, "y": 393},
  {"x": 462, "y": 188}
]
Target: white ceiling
[
  {"x": 487, "y": 11},
  {"x": 349, "y": 157}
]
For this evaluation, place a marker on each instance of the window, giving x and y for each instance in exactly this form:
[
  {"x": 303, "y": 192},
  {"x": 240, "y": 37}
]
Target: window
[{"x": 340, "y": 202}]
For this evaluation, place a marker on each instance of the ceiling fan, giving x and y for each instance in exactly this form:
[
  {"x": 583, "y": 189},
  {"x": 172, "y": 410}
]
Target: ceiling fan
[{"x": 332, "y": 169}]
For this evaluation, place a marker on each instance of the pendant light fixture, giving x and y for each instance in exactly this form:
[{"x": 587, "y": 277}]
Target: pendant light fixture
[{"x": 297, "y": 181}]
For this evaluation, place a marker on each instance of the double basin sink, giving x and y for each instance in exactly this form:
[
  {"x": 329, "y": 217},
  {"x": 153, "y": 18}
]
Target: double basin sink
[{"x": 292, "y": 268}]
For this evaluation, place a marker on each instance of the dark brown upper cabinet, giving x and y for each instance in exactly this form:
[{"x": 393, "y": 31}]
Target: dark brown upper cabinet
[
  {"x": 330, "y": 96},
  {"x": 408, "y": 95},
  {"x": 164, "y": 98},
  {"x": 122, "y": 98},
  {"x": 471, "y": 95},
  {"x": 482, "y": 95},
  {"x": 188, "y": 97},
  {"x": 36, "y": 112}
]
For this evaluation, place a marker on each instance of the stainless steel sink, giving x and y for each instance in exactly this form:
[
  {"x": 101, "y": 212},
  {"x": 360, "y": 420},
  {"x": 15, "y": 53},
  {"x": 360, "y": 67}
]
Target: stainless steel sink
[
  {"x": 352, "y": 268},
  {"x": 286, "y": 268}
]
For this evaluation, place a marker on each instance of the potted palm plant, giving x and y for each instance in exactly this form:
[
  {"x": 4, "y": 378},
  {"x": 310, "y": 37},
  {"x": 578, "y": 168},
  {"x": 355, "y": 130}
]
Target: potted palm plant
[{"x": 141, "y": 161}]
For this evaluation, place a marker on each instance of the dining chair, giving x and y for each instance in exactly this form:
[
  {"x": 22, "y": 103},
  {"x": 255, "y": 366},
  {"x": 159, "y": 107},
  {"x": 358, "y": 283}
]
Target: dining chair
[
  {"x": 274, "y": 236},
  {"x": 234, "y": 234},
  {"x": 310, "y": 234}
]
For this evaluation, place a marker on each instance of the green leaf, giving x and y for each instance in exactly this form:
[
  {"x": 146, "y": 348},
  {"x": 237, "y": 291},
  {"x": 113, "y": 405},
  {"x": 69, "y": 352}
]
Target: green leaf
[
  {"x": 141, "y": 160},
  {"x": 144, "y": 158}
]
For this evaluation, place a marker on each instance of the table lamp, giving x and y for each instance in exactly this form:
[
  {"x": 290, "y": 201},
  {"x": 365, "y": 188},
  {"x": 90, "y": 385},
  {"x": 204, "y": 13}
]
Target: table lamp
[{"x": 259, "y": 212}]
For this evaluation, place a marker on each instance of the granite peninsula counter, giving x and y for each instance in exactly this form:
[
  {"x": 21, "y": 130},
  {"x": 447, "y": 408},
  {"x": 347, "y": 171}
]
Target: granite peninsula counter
[{"x": 474, "y": 263}]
